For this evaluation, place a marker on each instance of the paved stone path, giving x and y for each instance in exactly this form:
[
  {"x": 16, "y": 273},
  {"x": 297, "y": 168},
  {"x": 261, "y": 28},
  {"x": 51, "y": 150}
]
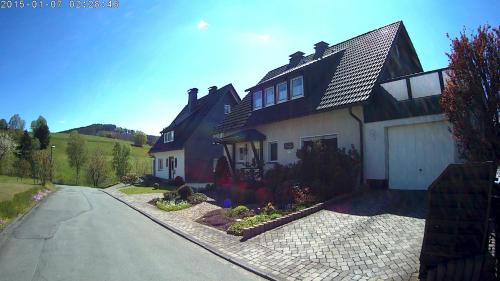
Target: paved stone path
[{"x": 372, "y": 237}]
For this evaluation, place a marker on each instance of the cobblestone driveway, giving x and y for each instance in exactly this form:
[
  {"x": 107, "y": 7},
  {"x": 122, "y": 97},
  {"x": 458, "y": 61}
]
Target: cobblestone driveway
[
  {"x": 375, "y": 236},
  {"x": 372, "y": 237}
]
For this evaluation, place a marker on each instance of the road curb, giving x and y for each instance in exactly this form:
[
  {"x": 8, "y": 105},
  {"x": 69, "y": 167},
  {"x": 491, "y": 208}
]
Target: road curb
[{"x": 196, "y": 241}]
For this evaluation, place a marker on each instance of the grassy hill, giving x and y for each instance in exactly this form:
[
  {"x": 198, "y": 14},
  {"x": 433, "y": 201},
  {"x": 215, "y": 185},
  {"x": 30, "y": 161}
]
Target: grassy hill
[{"x": 66, "y": 175}]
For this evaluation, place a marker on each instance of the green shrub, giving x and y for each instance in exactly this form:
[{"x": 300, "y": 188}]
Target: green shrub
[
  {"x": 170, "y": 195},
  {"x": 171, "y": 206},
  {"x": 237, "y": 227},
  {"x": 328, "y": 170},
  {"x": 184, "y": 192},
  {"x": 197, "y": 198},
  {"x": 129, "y": 179},
  {"x": 178, "y": 181},
  {"x": 237, "y": 211}
]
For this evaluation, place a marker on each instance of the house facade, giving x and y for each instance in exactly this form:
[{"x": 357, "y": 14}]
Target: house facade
[
  {"x": 369, "y": 92},
  {"x": 185, "y": 148}
]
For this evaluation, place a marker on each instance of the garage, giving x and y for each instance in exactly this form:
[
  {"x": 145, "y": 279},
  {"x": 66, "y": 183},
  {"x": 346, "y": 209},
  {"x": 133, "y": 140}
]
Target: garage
[{"x": 418, "y": 153}]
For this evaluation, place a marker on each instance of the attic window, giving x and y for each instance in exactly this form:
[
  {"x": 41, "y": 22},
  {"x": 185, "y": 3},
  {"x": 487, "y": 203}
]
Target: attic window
[
  {"x": 168, "y": 137},
  {"x": 269, "y": 96},
  {"x": 227, "y": 108},
  {"x": 297, "y": 85},
  {"x": 282, "y": 92},
  {"x": 257, "y": 100}
]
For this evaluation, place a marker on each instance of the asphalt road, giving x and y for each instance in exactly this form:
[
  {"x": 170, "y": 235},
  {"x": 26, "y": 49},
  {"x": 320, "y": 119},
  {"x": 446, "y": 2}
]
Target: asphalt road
[{"x": 83, "y": 234}]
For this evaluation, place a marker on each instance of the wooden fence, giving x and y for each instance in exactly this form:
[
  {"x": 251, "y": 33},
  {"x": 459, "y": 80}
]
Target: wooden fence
[{"x": 456, "y": 227}]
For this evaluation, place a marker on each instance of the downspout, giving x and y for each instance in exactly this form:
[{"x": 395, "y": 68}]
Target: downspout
[{"x": 361, "y": 144}]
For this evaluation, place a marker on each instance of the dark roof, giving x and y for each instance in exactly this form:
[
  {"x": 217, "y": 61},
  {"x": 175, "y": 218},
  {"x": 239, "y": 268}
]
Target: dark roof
[
  {"x": 244, "y": 135},
  {"x": 357, "y": 66},
  {"x": 186, "y": 123}
]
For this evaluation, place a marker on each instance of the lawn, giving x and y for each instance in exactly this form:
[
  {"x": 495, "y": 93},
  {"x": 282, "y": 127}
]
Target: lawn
[
  {"x": 11, "y": 185},
  {"x": 142, "y": 190},
  {"x": 66, "y": 175},
  {"x": 16, "y": 197}
]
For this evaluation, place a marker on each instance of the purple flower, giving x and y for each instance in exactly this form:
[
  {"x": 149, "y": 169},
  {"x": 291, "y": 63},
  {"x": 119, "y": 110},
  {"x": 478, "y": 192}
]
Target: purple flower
[
  {"x": 2, "y": 222},
  {"x": 227, "y": 203}
]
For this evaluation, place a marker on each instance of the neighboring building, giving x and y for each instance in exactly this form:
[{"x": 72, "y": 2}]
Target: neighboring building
[
  {"x": 347, "y": 94},
  {"x": 186, "y": 147}
]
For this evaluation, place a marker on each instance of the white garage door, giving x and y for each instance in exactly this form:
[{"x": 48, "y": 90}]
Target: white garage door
[{"x": 418, "y": 154}]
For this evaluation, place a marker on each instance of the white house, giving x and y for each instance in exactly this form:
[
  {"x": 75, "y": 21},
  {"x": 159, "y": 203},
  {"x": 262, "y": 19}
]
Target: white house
[{"x": 369, "y": 91}]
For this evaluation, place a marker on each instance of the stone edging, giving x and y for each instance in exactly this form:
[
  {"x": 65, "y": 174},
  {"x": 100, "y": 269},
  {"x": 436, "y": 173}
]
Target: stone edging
[
  {"x": 196, "y": 241},
  {"x": 263, "y": 227}
]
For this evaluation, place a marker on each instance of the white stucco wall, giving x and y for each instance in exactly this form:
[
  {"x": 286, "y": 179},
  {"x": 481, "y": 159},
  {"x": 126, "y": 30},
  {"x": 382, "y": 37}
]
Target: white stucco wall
[
  {"x": 337, "y": 122},
  {"x": 376, "y": 145},
  {"x": 163, "y": 173}
]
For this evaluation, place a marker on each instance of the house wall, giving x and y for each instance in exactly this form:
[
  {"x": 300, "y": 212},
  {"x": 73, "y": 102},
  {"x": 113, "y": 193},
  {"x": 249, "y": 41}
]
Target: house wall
[
  {"x": 376, "y": 144},
  {"x": 336, "y": 122},
  {"x": 200, "y": 149},
  {"x": 163, "y": 173}
]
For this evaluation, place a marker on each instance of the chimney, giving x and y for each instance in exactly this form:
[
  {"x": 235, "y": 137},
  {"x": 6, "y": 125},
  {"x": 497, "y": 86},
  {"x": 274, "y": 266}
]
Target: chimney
[
  {"x": 320, "y": 48},
  {"x": 193, "y": 99},
  {"x": 212, "y": 89},
  {"x": 295, "y": 58}
]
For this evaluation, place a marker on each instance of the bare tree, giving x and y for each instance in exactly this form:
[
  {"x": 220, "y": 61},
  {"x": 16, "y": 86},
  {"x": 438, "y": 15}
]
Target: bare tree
[
  {"x": 77, "y": 152},
  {"x": 98, "y": 168}
]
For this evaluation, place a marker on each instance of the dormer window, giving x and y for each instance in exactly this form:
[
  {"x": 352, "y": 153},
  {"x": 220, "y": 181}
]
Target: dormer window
[
  {"x": 168, "y": 137},
  {"x": 282, "y": 89},
  {"x": 257, "y": 100},
  {"x": 297, "y": 85},
  {"x": 227, "y": 109},
  {"x": 269, "y": 96}
]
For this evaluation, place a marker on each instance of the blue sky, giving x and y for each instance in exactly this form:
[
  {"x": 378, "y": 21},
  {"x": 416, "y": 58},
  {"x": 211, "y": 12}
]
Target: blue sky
[{"x": 133, "y": 65}]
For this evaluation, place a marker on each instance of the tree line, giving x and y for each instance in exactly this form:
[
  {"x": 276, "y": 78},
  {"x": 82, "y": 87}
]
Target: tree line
[
  {"x": 23, "y": 154},
  {"x": 28, "y": 154}
]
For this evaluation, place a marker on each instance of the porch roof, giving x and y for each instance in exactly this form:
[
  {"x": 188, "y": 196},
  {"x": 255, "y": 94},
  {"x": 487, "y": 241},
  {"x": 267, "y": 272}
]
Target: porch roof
[{"x": 243, "y": 136}]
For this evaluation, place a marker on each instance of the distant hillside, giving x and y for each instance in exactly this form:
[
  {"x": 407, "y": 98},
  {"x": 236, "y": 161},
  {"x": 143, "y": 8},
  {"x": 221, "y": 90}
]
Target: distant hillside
[
  {"x": 110, "y": 131},
  {"x": 64, "y": 174}
]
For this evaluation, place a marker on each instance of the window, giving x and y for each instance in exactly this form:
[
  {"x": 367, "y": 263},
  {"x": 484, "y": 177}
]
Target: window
[
  {"x": 160, "y": 164},
  {"x": 243, "y": 150},
  {"x": 273, "y": 151},
  {"x": 330, "y": 141},
  {"x": 227, "y": 108},
  {"x": 297, "y": 87},
  {"x": 282, "y": 90},
  {"x": 269, "y": 96},
  {"x": 168, "y": 137},
  {"x": 257, "y": 100}
]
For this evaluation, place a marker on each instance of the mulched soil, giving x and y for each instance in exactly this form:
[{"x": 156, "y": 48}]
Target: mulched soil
[{"x": 216, "y": 219}]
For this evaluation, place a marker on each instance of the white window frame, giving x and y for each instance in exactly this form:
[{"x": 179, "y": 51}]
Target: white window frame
[
  {"x": 160, "y": 164},
  {"x": 265, "y": 96},
  {"x": 227, "y": 109},
  {"x": 269, "y": 151},
  {"x": 168, "y": 137},
  {"x": 261, "y": 100},
  {"x": 292, "y": 96},
  {"x": 278, "y": 92}
]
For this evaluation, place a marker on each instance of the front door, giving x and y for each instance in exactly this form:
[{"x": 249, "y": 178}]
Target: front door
[{"x": 170, "y": 167}]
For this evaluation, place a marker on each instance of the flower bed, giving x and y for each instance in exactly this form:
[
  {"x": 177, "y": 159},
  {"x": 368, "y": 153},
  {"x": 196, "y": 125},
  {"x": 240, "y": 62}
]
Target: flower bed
[
  {"x": 235, "y": 220},
  {"x": 172, "y": 205},
  {"x": 179, "y": 199}
]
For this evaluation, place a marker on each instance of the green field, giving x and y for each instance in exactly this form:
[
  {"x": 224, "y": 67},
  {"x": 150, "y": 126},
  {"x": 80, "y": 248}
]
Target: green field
[
  {"x": 10, "y": 186},
  {"x": 64, "y": 174}
]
